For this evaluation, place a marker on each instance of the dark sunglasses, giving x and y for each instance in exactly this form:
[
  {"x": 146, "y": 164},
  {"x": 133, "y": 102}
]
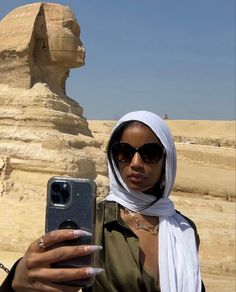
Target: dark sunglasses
[{"x": 150, "y": 152}]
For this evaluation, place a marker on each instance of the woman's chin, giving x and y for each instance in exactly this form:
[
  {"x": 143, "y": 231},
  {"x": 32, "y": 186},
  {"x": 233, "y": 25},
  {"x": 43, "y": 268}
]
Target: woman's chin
[{"x": 138, "y": 188}]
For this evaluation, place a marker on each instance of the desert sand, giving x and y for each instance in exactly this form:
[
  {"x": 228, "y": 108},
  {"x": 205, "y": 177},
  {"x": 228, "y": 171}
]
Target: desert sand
[{"x": 204, "y": 191}]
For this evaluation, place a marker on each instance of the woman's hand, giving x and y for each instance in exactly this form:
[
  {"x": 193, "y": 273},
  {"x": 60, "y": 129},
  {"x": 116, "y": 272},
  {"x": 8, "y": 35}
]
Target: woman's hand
[{"x": 33, "y": 272}]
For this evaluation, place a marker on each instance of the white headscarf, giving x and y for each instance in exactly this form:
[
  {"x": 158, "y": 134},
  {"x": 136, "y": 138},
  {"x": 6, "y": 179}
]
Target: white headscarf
[{"x": 178, "y": 257}]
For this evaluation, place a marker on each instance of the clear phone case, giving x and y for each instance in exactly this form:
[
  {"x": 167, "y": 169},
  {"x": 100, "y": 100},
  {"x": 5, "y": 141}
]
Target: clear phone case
[{"x": 71, "y": 205}]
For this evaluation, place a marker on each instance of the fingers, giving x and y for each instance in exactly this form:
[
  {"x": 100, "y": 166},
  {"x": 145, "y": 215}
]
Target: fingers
[
  {"x": 48, "y": 287},
  {"x": 47, "y": 279},
  {"x": 34, "y": 280},
  {"x": 33, "y": 272},
  {"x": 61, "y": 254},
  {"x": 62, "y": 275},
  {"x": 56, "y": 236}
]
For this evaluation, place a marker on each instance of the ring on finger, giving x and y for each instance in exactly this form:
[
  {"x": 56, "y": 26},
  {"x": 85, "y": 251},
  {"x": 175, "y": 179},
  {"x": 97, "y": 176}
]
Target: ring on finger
[{"x": 41, "y": 243}]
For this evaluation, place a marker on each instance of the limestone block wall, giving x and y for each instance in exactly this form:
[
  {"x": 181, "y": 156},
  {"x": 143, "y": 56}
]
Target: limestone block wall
[{"x": 42, "y": 135}]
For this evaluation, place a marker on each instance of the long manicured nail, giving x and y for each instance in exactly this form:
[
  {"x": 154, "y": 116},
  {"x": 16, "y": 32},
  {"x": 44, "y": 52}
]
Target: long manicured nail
[
  {"x": 79, "y": 233},
  {"x": 93, "y": 271},
  {"x": 92, "y": 248}
]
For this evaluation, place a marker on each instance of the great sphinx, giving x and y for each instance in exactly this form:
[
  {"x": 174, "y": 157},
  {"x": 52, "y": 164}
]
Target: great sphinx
[{"x": 42, "y": 131}]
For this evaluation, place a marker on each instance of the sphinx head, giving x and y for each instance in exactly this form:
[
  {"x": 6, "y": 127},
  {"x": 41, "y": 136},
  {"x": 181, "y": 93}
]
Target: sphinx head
[{"x": 39, "y": 42}]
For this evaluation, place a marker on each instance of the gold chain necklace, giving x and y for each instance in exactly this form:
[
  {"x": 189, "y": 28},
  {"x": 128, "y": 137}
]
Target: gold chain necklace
[{"x": 139, "y": 225}]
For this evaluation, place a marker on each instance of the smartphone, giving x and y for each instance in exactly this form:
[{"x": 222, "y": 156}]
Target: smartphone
[{"x": 71, "y": 204}]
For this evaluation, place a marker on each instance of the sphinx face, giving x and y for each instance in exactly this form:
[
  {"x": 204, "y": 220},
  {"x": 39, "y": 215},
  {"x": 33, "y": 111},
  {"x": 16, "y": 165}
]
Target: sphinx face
[{"x": 63, "y": 31}]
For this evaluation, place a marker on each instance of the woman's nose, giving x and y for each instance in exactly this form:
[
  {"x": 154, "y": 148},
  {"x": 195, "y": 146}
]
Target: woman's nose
[{"x": 136, "y": 160}]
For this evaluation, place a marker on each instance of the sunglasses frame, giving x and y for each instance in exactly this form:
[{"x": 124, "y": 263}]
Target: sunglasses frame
[{"x": 139, "y": 150}]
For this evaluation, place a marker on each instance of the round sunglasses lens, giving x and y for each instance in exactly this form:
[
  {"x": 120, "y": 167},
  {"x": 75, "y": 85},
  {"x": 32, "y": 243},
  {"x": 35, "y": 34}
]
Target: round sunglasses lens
[
  {"x": 151, "y": 153},
  {"x": 122, "y": 152}
]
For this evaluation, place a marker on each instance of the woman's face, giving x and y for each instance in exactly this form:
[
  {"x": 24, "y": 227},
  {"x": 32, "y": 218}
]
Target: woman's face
[{"x": 137, "y": 174}]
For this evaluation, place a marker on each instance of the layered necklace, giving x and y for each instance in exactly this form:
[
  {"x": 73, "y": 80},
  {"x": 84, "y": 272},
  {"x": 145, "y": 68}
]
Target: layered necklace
[{"x": 139, "y": 225}]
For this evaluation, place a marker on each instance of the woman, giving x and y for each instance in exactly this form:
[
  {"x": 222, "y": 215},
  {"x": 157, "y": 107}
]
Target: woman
[{"x": 147, "y": 245}]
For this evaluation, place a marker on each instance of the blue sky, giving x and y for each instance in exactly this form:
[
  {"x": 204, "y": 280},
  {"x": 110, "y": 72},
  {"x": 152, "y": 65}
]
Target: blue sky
[{"x": 166, "y": 56}]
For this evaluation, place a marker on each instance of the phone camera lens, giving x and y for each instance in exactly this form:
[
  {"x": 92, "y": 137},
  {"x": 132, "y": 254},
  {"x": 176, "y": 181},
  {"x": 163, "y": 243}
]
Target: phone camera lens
[
  {"x": 55, "y": 198},
  {"x": 60, "y": 193},
  {"x": 56, "y": 187},
  {"x": 65, "y": 196}
]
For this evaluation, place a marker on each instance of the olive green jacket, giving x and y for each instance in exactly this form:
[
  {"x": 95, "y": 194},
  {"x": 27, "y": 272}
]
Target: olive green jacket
[{"x": 120, "y": 255}]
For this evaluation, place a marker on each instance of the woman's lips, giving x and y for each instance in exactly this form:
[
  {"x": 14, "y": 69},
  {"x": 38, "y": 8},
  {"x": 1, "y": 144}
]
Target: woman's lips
[{"x": 136, "y": 177}]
